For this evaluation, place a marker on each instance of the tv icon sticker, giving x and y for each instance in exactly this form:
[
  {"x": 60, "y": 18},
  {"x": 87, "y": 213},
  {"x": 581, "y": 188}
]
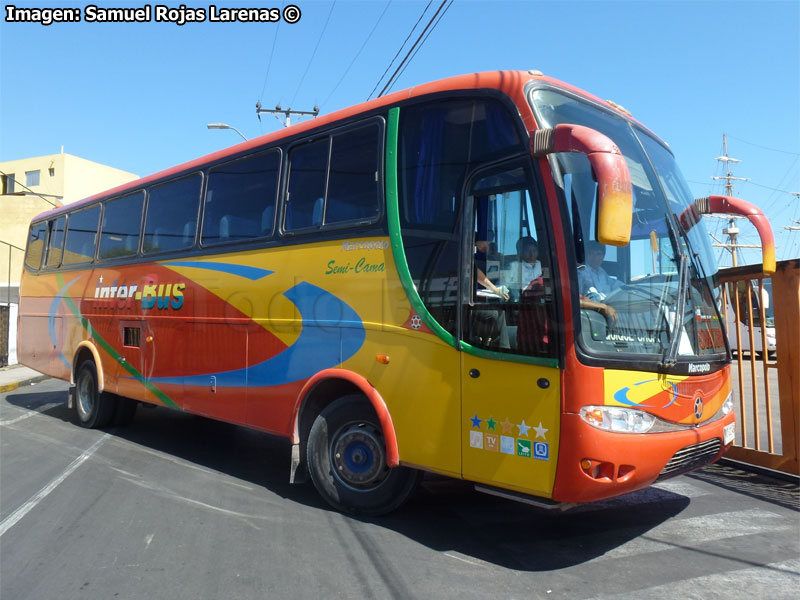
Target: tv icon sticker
[
  {"x": 506, "y": 444},
  {"x": 524, "y": 448},
  {"x": 476, "y": 439},
  {"x": 492, "y": 442},
  {"x": 541, "y": 450}
]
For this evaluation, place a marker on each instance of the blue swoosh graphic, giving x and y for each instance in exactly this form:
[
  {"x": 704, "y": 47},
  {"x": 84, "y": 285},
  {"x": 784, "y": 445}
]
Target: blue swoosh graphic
[
  {"x": 621, "y": 395},
  {"x": 674, "y": 395},
  {"x": 332, "y": 333},
  {"x": 252, "y": 273},
  {"x": 51, "y": 318}
]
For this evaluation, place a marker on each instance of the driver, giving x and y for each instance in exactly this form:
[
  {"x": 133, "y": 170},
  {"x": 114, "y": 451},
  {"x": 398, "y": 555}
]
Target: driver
[{"x": 595, "y": 283}]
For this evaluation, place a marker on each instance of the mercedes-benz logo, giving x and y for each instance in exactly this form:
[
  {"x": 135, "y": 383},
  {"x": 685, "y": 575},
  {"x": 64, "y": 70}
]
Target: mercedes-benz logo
[{"x": 698, "y": 407}]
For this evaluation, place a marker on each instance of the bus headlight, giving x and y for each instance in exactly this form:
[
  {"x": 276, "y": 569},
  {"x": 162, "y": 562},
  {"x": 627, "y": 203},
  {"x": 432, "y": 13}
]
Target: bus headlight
[
  {"x": 618, "y": 419},
  {"x": 727, "y": 406}
]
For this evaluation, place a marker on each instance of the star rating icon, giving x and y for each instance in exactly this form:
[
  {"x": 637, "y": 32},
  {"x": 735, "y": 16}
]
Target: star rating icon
[
  {"x": 507, "y": 426},
  {"x": 476, "y": 422},
  {"x": 491, "y": 424},
  {"x": 523, "y": 429},
  {"x": 540, "y": 431}
]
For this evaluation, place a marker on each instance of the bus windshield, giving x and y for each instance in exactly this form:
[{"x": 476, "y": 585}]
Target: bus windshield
[{"x": 653, "y": 296}]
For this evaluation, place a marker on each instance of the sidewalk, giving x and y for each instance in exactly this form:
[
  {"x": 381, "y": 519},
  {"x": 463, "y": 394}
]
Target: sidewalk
[{"x": 17, "y": 375}]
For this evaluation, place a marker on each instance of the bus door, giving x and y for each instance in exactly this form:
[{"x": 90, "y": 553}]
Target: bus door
[{"x": 509, "y": 368}]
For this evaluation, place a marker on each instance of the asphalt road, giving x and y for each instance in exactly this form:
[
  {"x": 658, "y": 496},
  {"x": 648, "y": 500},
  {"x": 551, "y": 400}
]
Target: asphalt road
[{"x": 177, "y": 506}]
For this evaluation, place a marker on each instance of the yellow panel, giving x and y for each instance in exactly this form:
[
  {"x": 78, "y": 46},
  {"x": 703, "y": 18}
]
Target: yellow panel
[{"x": 510, "y": 425}]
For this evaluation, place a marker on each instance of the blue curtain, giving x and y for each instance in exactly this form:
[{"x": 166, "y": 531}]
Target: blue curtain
[
  {"x": 500, "y": 129},
  {"x": 427, "y": 187}
]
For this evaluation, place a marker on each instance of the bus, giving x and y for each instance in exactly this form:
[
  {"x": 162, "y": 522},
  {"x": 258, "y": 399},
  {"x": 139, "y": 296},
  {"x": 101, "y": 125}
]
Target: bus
[{"x": 494, "y": 277}]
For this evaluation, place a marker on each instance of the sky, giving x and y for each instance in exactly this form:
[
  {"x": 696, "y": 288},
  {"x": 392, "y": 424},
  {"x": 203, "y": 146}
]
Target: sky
[{"x": 138, "y": 96}]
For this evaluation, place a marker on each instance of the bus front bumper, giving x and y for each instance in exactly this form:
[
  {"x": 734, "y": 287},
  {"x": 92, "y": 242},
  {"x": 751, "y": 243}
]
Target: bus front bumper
[{"x": 595, "y": 464}]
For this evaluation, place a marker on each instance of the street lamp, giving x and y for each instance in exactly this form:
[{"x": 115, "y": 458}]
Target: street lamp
[{"x": 225, "y": 126}]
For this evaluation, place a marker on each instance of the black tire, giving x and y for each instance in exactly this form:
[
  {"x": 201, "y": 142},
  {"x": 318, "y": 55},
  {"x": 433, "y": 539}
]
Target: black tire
[
  {"x": 124, "y": 411},
  {"x": 346, "y": 456},
  {"x": 93, "y": 410}
]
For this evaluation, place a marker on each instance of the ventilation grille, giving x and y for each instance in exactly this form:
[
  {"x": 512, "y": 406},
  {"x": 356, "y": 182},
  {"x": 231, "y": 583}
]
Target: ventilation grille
[{"x": 691, "y": 458}]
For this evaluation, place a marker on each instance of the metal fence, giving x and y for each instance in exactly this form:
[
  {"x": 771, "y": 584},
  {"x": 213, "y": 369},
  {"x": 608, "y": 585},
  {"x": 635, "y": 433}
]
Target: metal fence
[{"x": 766, "y": 369}]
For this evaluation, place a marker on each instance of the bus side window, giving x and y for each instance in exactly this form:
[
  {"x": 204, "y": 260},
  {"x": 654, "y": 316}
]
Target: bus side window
[
  {"x": 81, "y": 236},
  {"x": 36, "y": 244},
  {"x": 172, "y": 215},
  {"x": 512, "y": 309},
  {"x": 308, "y": 164},
  {"x": 122, "y": 219},
  {"x": 55, "y": 244},
  {"x": 240, "y": 201},
  {"x": 353, "y": 186}
]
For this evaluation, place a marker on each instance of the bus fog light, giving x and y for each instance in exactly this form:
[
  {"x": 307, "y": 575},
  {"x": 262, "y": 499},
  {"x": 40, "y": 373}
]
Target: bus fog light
[{"x": 618, "y": 419}]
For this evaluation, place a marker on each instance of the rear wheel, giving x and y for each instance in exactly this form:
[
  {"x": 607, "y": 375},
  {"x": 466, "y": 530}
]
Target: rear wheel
[
  {"x": 92, "y": 408},
  {"x": 346, "y": 455}
]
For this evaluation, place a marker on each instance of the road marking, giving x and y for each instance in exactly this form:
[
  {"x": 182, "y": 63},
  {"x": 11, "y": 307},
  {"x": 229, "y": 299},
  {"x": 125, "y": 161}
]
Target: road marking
[
  {"x": 462, "y": 558},
  {"x": 780, "y": 578},
  {"x": 23, "y": 510},
  {"x": 30, "y": 413},
  {"x": 681, "y": 533}
]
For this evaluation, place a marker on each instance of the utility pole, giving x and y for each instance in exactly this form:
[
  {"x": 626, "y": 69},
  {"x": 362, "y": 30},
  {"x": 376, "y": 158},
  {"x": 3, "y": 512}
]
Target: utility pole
[
  {"x": 287, "y": 112},
  {"x": 732, "y": 231}
]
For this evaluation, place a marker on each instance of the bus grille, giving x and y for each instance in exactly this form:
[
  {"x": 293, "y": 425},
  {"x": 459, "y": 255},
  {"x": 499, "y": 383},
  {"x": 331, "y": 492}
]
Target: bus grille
[{"x": 691, "y": 458}]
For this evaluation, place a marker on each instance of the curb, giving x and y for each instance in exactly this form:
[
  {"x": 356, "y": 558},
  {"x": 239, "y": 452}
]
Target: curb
[{"x": 10, "y": 387}]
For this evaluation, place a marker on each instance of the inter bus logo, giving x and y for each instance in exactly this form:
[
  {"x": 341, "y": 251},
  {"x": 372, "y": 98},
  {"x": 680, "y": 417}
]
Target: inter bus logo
[{"x": 161, "y": 295}]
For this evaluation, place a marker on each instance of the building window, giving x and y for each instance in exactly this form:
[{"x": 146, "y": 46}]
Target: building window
[
  {"x": 31, "y": 178},
  {"x": 8, "y": 184}
]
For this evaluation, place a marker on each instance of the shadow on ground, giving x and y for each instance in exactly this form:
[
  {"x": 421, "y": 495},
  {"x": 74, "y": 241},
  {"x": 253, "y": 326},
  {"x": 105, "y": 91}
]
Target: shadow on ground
[{"x": 444, "y": 514}]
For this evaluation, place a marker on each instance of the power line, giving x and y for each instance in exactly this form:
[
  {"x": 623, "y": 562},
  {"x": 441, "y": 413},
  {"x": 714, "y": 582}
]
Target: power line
[
  {"x": 413, "y": 56},
  {"x": 765, "y": 147},
  {"x": 313, "y": 54},
  {"x": 360, "y": 50},
  {"x": 399, "y": 50},
  {"x": 4, "y": 174},
  {"x": 392, "y": 79},
  {"x": 269, "y": 62}
]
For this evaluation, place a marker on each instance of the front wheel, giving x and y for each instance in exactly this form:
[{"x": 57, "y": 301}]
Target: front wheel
[{"x": 346, "y": 456}]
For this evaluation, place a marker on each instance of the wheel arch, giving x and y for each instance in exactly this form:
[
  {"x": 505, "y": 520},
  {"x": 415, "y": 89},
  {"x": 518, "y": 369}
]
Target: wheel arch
[
  {"x": 85, "y": 351},
  {"x": 327, "y": 386}
]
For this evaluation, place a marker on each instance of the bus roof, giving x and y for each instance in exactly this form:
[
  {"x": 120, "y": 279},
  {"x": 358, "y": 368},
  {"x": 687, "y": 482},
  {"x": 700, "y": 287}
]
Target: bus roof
[{"x": 511, "y": 83}]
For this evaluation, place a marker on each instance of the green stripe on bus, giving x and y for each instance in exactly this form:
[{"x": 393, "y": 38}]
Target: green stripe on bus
[
  {"x": 113, "y": 353},
  {"x": 393, "y": 219}
]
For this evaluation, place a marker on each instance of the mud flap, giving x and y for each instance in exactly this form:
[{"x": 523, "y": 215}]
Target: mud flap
[{"x": 297, "y": 471}]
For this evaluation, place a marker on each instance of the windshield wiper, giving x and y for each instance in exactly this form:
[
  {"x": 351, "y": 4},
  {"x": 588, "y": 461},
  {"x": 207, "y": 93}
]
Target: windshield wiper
[{"x": 670, "y": 358}]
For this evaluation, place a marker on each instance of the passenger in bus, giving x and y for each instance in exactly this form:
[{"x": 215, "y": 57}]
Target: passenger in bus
[
  {"x": 595, "y": 283},
  {"x": 481, "y": 248},
  {"x": 525, "y": 269},
  {"x": 489, "y": 327}
]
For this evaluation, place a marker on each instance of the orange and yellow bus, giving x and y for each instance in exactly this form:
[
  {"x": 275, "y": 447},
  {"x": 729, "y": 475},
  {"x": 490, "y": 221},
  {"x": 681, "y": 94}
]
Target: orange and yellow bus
[{"x": 495, "y": 277}]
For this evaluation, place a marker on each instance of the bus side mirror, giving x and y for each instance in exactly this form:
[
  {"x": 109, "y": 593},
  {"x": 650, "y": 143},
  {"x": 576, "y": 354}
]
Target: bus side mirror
[
  {"x": 728, "y": 205},
  {"x": 614, "y": 192}
]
